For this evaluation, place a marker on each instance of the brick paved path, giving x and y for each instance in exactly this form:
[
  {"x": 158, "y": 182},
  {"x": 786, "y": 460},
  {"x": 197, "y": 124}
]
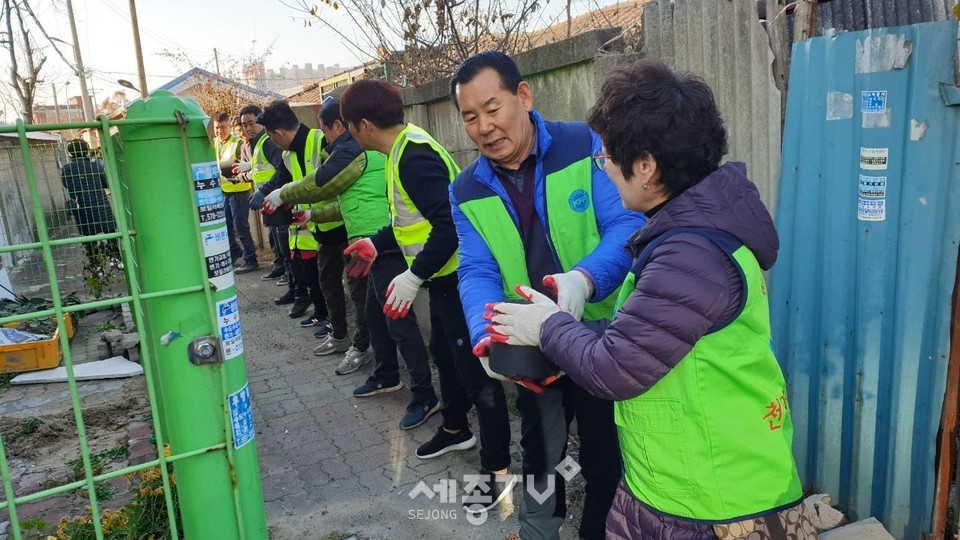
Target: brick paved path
[{"x": 334, "y": 465}]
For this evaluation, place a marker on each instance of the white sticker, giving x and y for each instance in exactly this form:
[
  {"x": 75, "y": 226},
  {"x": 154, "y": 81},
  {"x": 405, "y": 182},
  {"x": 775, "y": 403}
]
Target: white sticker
[
  {"x": 872, "y": 209},
  {"x": 873, "y": 101},
  {"x": 873, "y": 187},
  {"x": 210, "y": 201},
  {"x": 874, "y": 159},
  {"x": 228, "y": 323},
  {"x": 241, "y": 416},
  {"x": 216, "y": 251}
]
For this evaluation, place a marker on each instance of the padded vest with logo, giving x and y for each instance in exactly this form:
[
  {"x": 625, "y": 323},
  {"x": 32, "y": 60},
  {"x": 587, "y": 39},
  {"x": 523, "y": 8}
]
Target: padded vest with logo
[
  {"x": 712, "y": 440},
  {"x": 571, "y": 227},
  {"x": 228, "y": 150},
  {"x": 364, "y": 204},
  {"x": 259, "y": 164},
  {"x": 301, "y": 237},
  {"x": 410, "y": 228}
]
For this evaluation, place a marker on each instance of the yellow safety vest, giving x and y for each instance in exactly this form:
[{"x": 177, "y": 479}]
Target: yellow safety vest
[
  {"x": 228, "y": 150},
  {"x": 301, "y": 237},
  {"x": 259, "y": 164},
  {"x": 409, "y": 226}
]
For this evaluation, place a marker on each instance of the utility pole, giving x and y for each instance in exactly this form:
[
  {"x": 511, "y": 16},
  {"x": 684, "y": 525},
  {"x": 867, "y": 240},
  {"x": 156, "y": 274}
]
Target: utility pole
[
  {"x": 87, "y": 104},
  {"x": 136, "y": 46},
  {"x": 56, "y": 103},
  {"x": 216, "y": 60}
]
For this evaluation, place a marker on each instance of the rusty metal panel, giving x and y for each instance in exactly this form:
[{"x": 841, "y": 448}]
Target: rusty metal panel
[
  {"x": 861, "y": 294},
  {"x": 725, "y": 43},
  {"x": 853, "y": 15}
]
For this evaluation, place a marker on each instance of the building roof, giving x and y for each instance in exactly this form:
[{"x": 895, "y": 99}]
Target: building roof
[
  {"x": 622, "y": 14},
  {"x": 197, "y": 75}
]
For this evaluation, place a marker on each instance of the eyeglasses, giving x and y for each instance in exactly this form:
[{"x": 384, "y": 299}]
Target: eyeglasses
[{"x": 600, "y": 159}]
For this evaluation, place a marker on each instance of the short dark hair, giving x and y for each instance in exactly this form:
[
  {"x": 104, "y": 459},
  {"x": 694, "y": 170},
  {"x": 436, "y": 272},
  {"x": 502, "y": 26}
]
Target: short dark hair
[
  {"x": 78, "y": 148},
  {"x": 278, "y": 115},
  {"x": 251, "y": 109},
  {"x": 221, "y": 116},
  {"x": 375, "y": 100},
  {"x": 505, "y": 67},
  {"x": 648, "y": 109},
  {"x": 330, "y": 113}
]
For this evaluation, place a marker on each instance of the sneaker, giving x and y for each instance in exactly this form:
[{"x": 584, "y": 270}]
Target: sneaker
[
  {"x": 444, "y": 442},
  {"x": 323, "y": 331},
  {"x": 284, "y": 299},
  {"x": 248, "y": 266},
  {"x": 373, "y": 387},
  {"x": 489, "y": 490},
  {"x": 332, "y": 345},
  {"x": 352, "y": 360},
  {"x": 418, "y": 411},
  {"x": 313, "y": 320},
  {"x": 276, "y": 273},
  {"x": 300, "y": 306},
  {"x": 284, "y": 280}
]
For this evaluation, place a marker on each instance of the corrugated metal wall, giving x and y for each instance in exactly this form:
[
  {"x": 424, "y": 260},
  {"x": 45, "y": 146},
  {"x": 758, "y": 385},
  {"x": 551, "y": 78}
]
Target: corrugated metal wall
[
  {"x": 725, "y": 43},
  {"x": 860, "y": 296},
  {"x": 852, "y": 15}
]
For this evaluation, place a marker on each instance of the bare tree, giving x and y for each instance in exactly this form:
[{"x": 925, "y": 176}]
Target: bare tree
[
  {"x": 25, "y": 71},
  {"x": 422, "y": 40}
]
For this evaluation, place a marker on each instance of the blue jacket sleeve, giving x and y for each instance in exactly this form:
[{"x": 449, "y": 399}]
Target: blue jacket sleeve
[
  {"x": 609, "y": 262},
  {"x": 479, "y": 273}
]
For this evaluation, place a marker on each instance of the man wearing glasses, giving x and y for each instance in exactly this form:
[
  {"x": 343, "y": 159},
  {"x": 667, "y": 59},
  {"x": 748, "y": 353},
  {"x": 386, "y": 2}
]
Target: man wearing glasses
[{"x": 534, "y": 209}]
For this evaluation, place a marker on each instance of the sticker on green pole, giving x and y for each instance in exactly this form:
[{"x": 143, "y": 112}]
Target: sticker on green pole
[
  {"x": 228, "y": 324},
  {"x": 206, "y": 182},
  {"x": 241, "y": 416},
  {"x": 216, "y": 251}
]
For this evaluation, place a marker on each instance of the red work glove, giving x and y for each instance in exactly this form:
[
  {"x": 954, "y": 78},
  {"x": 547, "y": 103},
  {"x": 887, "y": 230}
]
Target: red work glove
[
  {"x": 362, "y": 253},
  {"x": 300, "y": 217}
]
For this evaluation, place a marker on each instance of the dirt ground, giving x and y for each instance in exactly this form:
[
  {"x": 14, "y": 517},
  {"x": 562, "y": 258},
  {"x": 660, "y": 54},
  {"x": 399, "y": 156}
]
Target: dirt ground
[{"x": 39, "y": 432}]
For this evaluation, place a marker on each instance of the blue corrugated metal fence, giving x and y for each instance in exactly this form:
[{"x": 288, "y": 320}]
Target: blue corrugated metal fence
[{"x": 869, "y": 219}]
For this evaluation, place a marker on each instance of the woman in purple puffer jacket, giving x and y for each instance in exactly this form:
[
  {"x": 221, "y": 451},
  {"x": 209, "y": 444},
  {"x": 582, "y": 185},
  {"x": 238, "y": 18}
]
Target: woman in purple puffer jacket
[{"x": 701, "y": 408}]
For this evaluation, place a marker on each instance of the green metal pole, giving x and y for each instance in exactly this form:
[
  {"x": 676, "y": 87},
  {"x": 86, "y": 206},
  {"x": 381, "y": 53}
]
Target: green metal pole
[{"x": 181, "y": 242}]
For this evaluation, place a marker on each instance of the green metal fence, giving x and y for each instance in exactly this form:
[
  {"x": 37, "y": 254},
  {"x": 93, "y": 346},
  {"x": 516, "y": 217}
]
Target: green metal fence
[{"x": 168, "y": 210}]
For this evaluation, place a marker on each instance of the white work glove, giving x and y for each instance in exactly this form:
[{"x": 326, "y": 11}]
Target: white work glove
[
  {"x": 273, "y": 201},
  {"x": 401, "y": 294},
  {"x": 482, "y": 352},
  {"x": 519, "y": 324},
  {"x": 572, "y": 288},
  {"x": 243, "y": 166}
]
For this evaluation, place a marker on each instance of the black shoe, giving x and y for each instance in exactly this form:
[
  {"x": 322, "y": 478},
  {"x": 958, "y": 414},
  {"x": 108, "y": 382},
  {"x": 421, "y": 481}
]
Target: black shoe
[
  {"x": 488, "y": 491},
  {"x": 373, "y": 387},
  {"x": 284, "y": 280},
  {"x": 248, "y": 266},
  {"x": 418, "y": 411},
  {"x": 276, "y": 273},
  {"x": 300, "y": 306},
  {"x": 313, "y": 320},
  {"x": 444, "y": 442},
  {"x": 324, "y": 330},
  {"x": 287, "y": 298}
]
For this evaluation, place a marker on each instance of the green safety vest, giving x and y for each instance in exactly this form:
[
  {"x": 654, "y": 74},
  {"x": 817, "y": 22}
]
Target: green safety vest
[
  {"x": 410, "y": 228},
  {"x": 712, "y": 440},
  {"x": 228, "y": 150},
  {"x": 573, "y": 234},
  {"x": 260, "y": 165},
  {"x": 363, "y": 205},
  {"x": 302, "y": 238}
]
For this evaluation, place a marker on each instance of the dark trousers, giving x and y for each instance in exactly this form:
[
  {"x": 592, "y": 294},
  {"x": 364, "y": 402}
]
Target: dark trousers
[
  {"x": 463, "y": 382},
  {"x": 280, "y": 243},
  {"x": 544, "y": 424},
  {"x": 403, "y": 333},
  {"x": 307, "y": 282},
  {"x": 237, "y": 213},
  {"x": 330, "y": 262}
]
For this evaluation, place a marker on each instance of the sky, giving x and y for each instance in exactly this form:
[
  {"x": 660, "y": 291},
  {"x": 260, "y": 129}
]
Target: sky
[{"x": 237, "y": 29}]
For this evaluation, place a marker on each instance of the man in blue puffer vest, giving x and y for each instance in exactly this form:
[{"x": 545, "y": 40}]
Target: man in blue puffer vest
[{"x": 534, "y": 210}]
